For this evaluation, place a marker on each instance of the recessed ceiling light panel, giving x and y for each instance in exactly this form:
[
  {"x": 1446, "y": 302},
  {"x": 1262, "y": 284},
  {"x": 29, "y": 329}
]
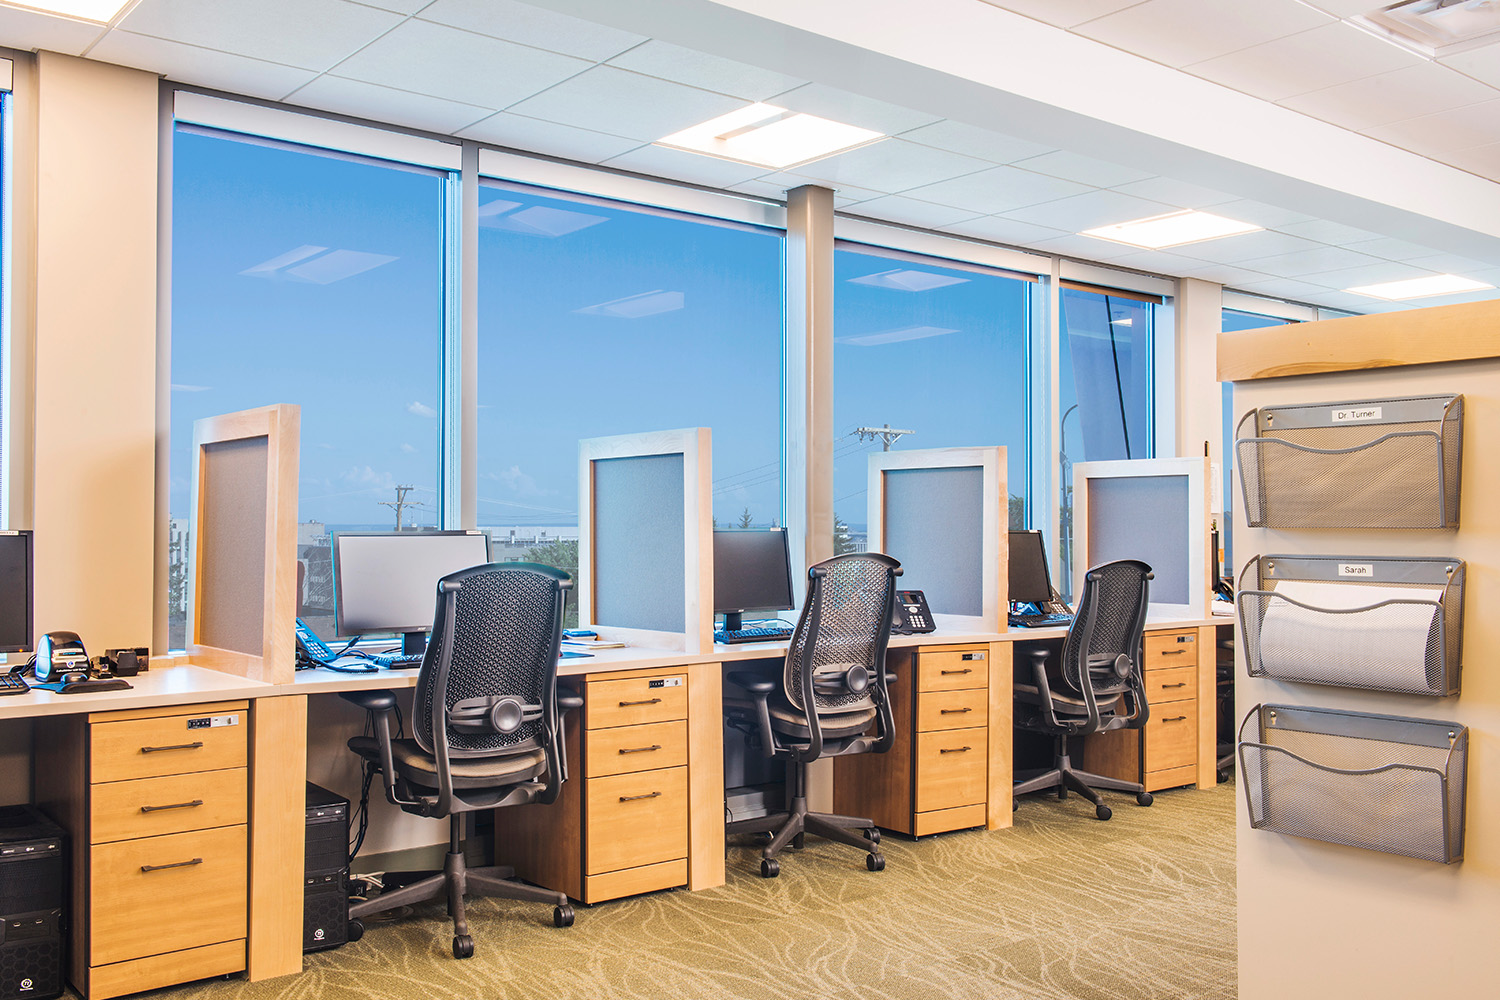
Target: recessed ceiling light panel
[
  {"x": 768, "y": 136},
  {"x": 102, "y": 11},
  {"x": 1438, "y": 27},
  {"x": 1171, "y": 230},
  {"x": 1420, "y": 288}
]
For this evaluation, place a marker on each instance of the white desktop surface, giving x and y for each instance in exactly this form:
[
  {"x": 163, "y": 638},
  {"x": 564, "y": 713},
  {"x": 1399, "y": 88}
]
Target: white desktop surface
[{"x": 179, "y": 684}]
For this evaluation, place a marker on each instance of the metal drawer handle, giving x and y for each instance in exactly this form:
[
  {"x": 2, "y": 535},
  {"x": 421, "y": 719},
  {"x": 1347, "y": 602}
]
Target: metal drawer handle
[
  {"x": 654, "y": 746},
  {"x": 632, "y": 798},
  {"x": 648, "y": 701},
  {"x": 1173, "y": 652},
  {"x": 954, "y": 711},
  {"x": 965, "y": 670},
  {"x": 954, "y": 749},
  {"x": 195, "y": 745},
  {"x": 175, "y": 805},
  {"x": 175, "y": 864},
  {"x": 1182, "y": 684},
  {"x": 1175, "y": 718}
]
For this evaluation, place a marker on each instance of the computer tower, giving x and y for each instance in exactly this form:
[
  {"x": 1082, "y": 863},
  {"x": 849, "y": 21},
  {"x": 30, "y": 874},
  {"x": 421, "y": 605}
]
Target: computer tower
[
  {"x": 325, "y": 886},
  {"x": 33, "y": 887}
]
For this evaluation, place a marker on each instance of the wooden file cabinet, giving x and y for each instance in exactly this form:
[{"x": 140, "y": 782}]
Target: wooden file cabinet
[
  {"x": 620, "y": 826},
  {"x": 936, "y": 776},
  {"x": 155, "y": 804},
  {"x": 1164, "y": 753}
]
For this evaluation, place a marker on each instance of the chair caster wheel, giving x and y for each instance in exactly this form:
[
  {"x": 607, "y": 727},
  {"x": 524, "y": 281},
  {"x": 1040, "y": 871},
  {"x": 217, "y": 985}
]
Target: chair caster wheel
[
  {"x": 1144, "y": 798},
  {"x": 463, "y": 946},
  {"x": 355, "y": 930},
  {"x": 562, "y": 916},
  {"x": 873, "y": 835},
  {"x": 799, "y": 841},
  {"x": 1223, "y": 776},
  {"x": 1103, "y": 812},
  {"x": 875, "y": 862},
  {"x": 770, "y": 868},
  {"x": 1015, "y": 805}
]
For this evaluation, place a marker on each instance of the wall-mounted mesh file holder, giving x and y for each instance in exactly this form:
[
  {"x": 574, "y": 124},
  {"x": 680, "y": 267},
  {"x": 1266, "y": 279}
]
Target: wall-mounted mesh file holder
[
  {"x": 1374, "y": 622},
  {"x": 1377, "y": 463},
  {"x": 1379, "y": 782}
]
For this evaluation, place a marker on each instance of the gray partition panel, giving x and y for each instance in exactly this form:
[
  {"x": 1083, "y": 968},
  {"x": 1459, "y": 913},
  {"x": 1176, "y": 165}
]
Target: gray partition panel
[
  {"x": 1145, "y": 518},
  {"x": 934, "y": 524},
  {"x": 639, "y": 548},
  {"x": 232, "y": 535}
]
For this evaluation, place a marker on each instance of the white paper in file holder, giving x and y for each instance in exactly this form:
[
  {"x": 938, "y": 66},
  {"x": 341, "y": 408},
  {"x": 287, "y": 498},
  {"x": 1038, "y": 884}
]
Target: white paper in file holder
[{"x": 1397, "y": 626}]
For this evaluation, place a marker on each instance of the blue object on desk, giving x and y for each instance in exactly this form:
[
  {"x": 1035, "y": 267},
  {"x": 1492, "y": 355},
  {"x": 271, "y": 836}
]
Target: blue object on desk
[
  {"x": 93, "y": 685},
  {"x": 1039, "y": 621},
  {"x": 568, "y": 654},
  {"x": 769, "y": 633}
]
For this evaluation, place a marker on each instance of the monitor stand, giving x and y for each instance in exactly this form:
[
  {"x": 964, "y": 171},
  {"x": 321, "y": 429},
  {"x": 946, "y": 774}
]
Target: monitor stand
[
  {"x": 413, "y": 643},
  {"x": 734, "y": 621}
]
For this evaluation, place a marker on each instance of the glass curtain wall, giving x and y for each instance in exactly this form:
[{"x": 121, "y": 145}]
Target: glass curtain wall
[
  {"x": 315, "y": 279},
  {"x": 599, "y": 318},
  {"x": 1233, "y": 321}
]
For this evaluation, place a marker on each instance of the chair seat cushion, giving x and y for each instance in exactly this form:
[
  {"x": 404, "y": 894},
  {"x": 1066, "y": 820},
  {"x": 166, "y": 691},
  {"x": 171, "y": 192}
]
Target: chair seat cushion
[
  {"x": 1030, "y": 694},
  {"x": 788, "y": 720},
  {"x": 418, "y": 767}
]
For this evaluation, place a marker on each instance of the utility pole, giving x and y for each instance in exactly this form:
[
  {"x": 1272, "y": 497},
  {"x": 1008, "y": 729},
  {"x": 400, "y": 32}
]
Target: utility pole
[
  {"x": 401, "y": 503},
  {"x": 886, "y": 434}
]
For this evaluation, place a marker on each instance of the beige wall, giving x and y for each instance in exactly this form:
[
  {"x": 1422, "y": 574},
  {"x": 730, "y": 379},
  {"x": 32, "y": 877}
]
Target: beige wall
[
  {"x": 1199, "y": 308},
  {"x": 95, "y": 349}
]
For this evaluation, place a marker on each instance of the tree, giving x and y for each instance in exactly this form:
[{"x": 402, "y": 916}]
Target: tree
[
  {"x": 745, "y": 519},
  {"x": 564, "y": 555},
  {"x": 1017, "y": 512},
  {"x": 842, "y": 541}
]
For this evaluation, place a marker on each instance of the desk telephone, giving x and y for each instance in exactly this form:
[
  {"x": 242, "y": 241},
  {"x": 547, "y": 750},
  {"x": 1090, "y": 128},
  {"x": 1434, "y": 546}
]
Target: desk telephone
[{"x": 911, "y": 614}]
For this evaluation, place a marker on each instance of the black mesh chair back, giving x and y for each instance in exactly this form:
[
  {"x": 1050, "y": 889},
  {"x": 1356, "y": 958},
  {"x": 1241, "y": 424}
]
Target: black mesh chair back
[
  {"x": 495, "y": 639},
  {"x": 845, "y": 624},
  {"x": 1111, "y": 617}
]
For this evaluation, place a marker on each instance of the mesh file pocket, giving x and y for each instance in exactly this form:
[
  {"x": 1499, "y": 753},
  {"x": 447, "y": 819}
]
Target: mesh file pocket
[
  {"x": 1378, "y": 623},
  {"x": 1377, "y": 782},
  {"x": 1380, "y": 463}
]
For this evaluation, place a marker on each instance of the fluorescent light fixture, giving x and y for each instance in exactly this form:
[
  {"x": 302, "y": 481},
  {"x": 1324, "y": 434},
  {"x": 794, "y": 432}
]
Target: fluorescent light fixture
[
  {"x": 1420, "y": 288},
  {"x": 768, "y": 136},
  {"x": 637, "y": 306},
  {"x": 1171, "y": 230},
  {"x": 895, "y": 336},
  {"x": 1437, "y": 27},
  {"x": 906, "y": 280},
  {"x": 102, "y": 11}
]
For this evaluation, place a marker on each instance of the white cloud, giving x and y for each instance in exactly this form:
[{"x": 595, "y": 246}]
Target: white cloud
[
  {"x": 408, "y": 449},
  {"x": 421, "y": 410},
  {"x": 516, "y": 481}
]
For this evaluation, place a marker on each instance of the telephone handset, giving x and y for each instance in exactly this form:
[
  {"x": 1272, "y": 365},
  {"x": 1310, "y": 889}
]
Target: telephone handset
[
  {"x": 910, "y": 614},
  {"x": 314, "y": 652}
]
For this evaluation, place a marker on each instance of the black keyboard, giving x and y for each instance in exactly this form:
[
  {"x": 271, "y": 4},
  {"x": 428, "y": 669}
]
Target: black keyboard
[
  {"x": 753, "y": 634},
  {"x": 1039, "y": 621},
  {"x": 13, "y": 684}
]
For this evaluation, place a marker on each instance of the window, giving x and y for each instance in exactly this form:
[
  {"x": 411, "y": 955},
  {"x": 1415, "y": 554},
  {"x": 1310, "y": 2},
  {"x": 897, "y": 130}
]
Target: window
[
  {"x": 926, "y": 354},
  {"x": 1104, "y": 389},
  {"x": 600, "y": 318},
  {"x": 299, "y": 277},
  {"x": 1234, "y": 321}
]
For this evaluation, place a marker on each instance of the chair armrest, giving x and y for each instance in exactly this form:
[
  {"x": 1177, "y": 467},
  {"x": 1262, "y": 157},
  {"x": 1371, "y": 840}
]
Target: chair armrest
[
  {"x": 371, "y": 701},
  {"x": 756, "y": 684}
]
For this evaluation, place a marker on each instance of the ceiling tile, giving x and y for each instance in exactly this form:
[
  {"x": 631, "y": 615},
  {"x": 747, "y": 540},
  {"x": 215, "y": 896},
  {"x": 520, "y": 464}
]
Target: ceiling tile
[
  {"x": 399, "y": 6},
  {"x": 519, "y": 132},
  {"x": 1178, "y": 194},
  {"x": 1083, "y": 169},
  {"x": 1083, "y": 248},
  {"x": 1224, "y": 274},
  {"x": 456, "y": 65},
  {"x": 545, "y": 29},
  {"x": 1435, "y": 135},
  {"x": 845, "y": 193},
  {"x": 1247, "y": 246},
  {"x": 851, "y": 109},
  {"x": 1091, "y": 209},
  {"x": 704, "y": 71},
  {"x": 1449, "y": 263},
  {"x": 1063, "y": 13},
  {"x": 1481, "y": 160},
  {"x": 203, "y": 67},
  {"x": 29, "y": 29},
  {"x": 1309, "y": 60},
  {"x": 694, "y": 168},
  {"x": 998, "y": 189},
  {"x": 1159, "y": 261},
  {"x": 326, "y": 30},
  {"x": 1391, "y": 249},
  {"x": 892, "y": 165},
  {"x": 1482, "y": 64},
  {"x": 1259, "y": 213},
  {"x": 1177, "y": 32},
  {"x": 367, "y": 100},
  {"x": 1325, "y": 231},
  {"x": 776, "y": 191},
  {"x": 956, "y": 137},
  {"x": 909, "y": 211},
  {"x": 1302, "y": 263},
  {"x": 1003, "y": 230},
  {"x": 1370, "y": 274},
  {"x": 606, "y": 99},
  {"x": 1423, "y": 89},
  {"x": 1284, "y": 288}
]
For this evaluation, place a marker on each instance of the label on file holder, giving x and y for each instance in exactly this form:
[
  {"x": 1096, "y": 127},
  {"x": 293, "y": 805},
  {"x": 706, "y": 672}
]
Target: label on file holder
[
  {"x": 1354, "y": 414},
  {"x": 1356, "y": 569}
]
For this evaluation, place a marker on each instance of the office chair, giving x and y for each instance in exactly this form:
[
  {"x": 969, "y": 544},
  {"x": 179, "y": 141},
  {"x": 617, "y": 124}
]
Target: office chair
[
  {"x": 1101, "y": 676},
  {"x": 833, "y": 686},
  {"x": 486, "y": 724}
]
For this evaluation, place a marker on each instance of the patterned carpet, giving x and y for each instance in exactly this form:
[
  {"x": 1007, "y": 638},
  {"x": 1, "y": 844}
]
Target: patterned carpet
[{"x": 1060, "y": 907}]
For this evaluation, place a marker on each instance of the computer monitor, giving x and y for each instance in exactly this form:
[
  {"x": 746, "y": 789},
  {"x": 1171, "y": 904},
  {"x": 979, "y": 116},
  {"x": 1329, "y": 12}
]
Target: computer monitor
[
  {"x": 15, "y": 592},
  {"x": 752, "y": 572},
  {"x": 387, "y": 581},
  {"x": 1030, "y": 583}
]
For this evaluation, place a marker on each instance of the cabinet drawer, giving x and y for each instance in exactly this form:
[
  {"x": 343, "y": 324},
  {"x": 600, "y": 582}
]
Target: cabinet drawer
[
  {"x": 1170, "y": 649},
  {"x": 952, "y": 669},
  {"x": 634, "y": 881},
  {"x": 635, "y": 700},
  {"x": 635, "y": 819},
  {"x": 636, "y": 748},
  {"x": 952, "y": 709},
  {"x": 951, "y": 769},
  {"x": 1171, "y": 736},
  {"x": 1170, "y": 684},
  {"x": 138, "y": 908},
  {"x": 174, "y": 803},
  {"x": 148, "y": 748}
]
